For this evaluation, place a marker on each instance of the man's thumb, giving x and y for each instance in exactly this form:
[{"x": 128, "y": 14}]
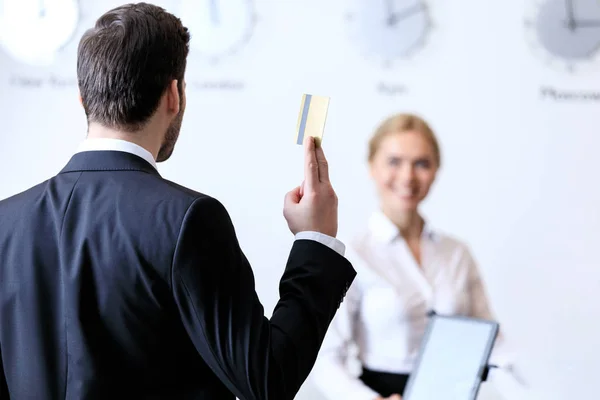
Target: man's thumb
[{"x": 293, "y": 196}]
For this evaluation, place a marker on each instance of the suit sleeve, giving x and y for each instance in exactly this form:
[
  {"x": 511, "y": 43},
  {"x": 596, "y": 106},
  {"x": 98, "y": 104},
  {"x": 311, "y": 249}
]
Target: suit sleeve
[
  {"x": 3, "y": 383},
  {"x": 213, "y": 286}
]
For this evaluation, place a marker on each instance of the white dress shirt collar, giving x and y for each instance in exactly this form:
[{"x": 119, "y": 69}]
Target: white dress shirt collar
[
  {"x": 382, "y": 228},
  {"x": 104, "y": 144}
]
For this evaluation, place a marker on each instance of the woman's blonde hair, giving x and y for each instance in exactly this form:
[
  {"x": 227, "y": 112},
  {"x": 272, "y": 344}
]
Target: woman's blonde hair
[{"x": 399, "y": 123}]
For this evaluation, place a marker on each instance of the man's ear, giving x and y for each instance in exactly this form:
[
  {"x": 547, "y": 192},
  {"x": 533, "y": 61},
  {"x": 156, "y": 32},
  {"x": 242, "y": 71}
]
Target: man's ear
[
  {"x": 80, "y": 99},
  {"x": 173, "y": 97}
]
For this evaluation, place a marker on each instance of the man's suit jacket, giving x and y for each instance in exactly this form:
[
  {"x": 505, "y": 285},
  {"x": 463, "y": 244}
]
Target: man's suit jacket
[{"x": 116, "y": 283}]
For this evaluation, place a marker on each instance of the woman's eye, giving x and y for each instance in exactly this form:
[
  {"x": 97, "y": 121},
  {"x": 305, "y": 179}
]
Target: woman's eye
[{"x": 423, "y": 164}]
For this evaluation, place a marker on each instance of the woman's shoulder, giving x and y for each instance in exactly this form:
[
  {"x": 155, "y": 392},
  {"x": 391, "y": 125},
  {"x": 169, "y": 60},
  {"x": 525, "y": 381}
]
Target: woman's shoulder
[
  {"x": 364, "y": 250},
  {"x": 447, "y": 241},
  {"x": 359, "y": 251},
  {"x": 451, "y": 241},
  {"x": 453, "y": 249}
]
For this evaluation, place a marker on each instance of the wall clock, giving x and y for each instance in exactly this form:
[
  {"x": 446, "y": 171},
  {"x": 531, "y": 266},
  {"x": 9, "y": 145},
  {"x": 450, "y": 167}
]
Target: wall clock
[
  {"x": 389, "y": 30},
  {"x": 566, "y": 33},
  {"x": 218, "y": 28},
  {"x": 34, "y": 31}
]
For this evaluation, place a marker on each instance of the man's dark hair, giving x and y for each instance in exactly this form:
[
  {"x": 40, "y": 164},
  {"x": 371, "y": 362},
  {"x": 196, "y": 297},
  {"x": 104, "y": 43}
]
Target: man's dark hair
[{"x": 127, "y": 61}]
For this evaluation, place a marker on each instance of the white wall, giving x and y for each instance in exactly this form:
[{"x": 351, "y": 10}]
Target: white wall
[{"x": 519, "y": 181}]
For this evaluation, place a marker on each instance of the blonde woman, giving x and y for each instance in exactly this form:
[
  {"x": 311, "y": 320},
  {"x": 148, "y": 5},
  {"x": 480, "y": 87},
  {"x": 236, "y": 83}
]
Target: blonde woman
[{"x": 405, "y": 269}]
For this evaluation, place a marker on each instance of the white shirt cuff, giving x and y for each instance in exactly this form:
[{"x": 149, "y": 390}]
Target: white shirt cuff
[{"x": 322, "y": 238}]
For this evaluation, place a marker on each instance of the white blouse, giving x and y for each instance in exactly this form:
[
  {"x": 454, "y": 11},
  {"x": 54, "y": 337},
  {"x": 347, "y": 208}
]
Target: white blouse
[{"x": 382, "y": 320}]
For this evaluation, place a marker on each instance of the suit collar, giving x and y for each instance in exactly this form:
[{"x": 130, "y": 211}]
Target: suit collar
[{"x": 108, "y": 160}]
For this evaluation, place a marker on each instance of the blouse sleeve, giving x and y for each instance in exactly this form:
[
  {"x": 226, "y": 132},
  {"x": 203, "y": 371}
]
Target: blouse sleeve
[
  {"x": 510, "y": 378},
  {"x": 331, "y": 374},
  {"x": 480, "y": 308}
]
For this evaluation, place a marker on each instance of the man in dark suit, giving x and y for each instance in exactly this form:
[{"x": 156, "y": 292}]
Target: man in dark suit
[{"x": 116, "y": 283}]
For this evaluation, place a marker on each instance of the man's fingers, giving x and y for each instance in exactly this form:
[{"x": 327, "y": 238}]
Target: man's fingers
[
  {"x": 301, "y": 192},
  {"x": 323, "y": 165},
  {"x": 311, "y": 167}
]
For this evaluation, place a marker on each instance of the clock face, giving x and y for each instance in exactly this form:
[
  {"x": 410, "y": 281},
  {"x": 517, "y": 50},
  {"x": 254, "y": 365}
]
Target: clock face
[
  {"x": 566, "y": 32},
  {"x": 33, "y": 31},
  {"x": 389, "y": 29},
  {"x": 218, "y": 27}
]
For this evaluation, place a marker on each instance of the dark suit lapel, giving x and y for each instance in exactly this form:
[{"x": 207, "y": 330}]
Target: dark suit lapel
[{"x": 108, "y": 160}]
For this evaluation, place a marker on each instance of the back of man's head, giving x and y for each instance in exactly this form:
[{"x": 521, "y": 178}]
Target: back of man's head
[{"x": 127, "y": 61}]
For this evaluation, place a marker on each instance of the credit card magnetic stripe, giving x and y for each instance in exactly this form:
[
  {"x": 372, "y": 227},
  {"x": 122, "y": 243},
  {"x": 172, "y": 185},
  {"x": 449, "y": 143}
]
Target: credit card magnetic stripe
[{"x": 303, "y": 118}]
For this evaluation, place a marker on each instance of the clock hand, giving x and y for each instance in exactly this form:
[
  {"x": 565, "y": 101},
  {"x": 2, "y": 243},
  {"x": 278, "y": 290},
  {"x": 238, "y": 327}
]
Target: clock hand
[
  {"x": 42, "y": 6},
  {"x": 389, "y": 11},
  {"x": 214, "y": 12},
  {"x": 587, "y": 23},
  {"x": 570, "y": 15},
  {"x": 399, "y": 16}
]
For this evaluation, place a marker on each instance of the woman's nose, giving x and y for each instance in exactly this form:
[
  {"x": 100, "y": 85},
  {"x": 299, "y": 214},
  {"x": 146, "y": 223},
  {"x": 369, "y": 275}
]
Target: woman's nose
[{"x": 406, "y": 172}]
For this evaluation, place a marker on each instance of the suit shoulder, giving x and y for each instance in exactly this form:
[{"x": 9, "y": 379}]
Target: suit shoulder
[
  {"x": 198, "y": 202},
  {"x": 22, "y": 198},
  {"x": 171, "y": 188},
  {"x": 190, "y": 193}
]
